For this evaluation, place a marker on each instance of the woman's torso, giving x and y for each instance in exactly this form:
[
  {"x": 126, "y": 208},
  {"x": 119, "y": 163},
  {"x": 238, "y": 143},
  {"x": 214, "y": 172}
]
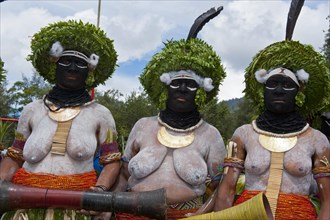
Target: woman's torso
[
  {"x": 81, "y": 141},
  {"x": 182, "y": 171},
  {"x": 297, "y": 162}
]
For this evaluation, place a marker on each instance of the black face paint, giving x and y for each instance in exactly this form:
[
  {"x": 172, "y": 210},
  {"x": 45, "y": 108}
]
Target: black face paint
[
  {"x": 181, "y": 95},
  {"x": 71, "y": 72},
  {"x": 279, "y": 94}
]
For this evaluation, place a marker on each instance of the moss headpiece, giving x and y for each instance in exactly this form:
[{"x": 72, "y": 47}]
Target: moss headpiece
[
  {"x": 314, "y": 95},
  {"x": 192, "y": 54},
  {"x": 77, "y": 36},
  {"x": 2, "y": 71}
]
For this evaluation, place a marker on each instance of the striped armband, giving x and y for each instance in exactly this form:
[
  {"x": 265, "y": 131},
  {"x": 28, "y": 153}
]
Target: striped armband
[
  {"x": 109, "y": 151},
  {"x": 233, "y": 162},
  {"x": 323, "y": 171},
  {"x": 16, "y": 150}
]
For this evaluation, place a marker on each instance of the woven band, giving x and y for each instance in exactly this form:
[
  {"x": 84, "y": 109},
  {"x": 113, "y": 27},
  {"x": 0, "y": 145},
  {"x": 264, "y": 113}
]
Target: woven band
[
  {"x": 15, "y": 153},
  {"x": 275, "y": 180},
  {"x": 60, "y": 137}
]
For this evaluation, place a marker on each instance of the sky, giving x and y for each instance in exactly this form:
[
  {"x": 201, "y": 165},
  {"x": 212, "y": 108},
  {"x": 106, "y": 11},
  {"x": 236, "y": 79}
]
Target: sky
[{"x": 139, "y": 29}]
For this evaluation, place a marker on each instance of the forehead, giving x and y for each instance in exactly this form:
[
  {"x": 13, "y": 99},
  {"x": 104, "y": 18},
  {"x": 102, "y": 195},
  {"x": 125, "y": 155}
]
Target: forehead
[
  {"x": 183, "y": 81},
  {"x": 72, "y": 58},
  {"x": 280, "y": 78}
]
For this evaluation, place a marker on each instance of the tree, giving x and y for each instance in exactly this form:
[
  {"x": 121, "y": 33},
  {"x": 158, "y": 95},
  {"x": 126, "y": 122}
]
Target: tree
[
  {"x": 2, "y": 71},
  {"x": 126, "y": 113},
  {"x": 26, "y": 91},
  {"x": 5, "y": 108},
  {"x": 326, "y": 47},
  {"x": 245, "y": 112},
  {"x": 219, "y": 115}
]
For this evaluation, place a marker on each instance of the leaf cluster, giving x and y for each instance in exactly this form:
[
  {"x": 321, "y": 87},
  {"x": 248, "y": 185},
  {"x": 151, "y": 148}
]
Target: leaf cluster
[
  {"x": 295, "y": 56},
  {"x": 74, "y": 35},
  {"x": 193, "y": 54}
]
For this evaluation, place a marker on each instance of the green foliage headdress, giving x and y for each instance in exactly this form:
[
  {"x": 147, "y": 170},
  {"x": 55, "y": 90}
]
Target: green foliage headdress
[
  {"x": 314, "y": 95},
  {"x": 72, "y": 35},
  {"x": 193, "y": 55}
]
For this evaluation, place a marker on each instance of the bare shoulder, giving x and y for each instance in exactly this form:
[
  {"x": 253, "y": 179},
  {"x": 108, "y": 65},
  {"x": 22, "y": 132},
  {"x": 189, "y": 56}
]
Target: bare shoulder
[
  {"x": 146, "y": 122},
  {"x": 35, "y": 107},
  {"x": 319, "y": 140}
]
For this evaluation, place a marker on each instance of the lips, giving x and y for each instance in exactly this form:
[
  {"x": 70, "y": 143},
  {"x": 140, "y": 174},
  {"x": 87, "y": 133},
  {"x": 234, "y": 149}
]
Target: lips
[
  {"x": 279, "y": 101},
  {"x": 181, "y": 99},
  {"x": 71, "y": 77}
]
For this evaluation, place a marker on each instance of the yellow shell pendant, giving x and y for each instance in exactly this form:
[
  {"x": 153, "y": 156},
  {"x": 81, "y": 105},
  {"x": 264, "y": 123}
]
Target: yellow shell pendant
[
  {"x": 173, "y": 141},
  {"x": 277, "y": 144},
  {"x": 64, "y": 114}
]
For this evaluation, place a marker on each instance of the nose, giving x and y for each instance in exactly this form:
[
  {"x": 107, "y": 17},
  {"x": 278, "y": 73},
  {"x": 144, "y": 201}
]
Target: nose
[
  {"x": 279, "y": 89},
  {"x": 183, "y": 87},
  {"x": 73, "y": 66}
]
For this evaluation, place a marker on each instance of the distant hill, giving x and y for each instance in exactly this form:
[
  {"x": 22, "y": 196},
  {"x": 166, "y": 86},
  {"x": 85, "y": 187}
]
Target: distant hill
[{"x": 232, "y": 103}]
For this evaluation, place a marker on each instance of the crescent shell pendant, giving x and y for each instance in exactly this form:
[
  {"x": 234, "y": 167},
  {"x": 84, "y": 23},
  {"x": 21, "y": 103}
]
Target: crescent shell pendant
[
  {"x": 173, "y": 141},
  {"x": 277, "y": 144},
  {"x": 64, "y": 114}
]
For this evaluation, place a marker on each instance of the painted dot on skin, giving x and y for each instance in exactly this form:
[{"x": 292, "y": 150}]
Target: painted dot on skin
[{"x": 321, "y": 186}]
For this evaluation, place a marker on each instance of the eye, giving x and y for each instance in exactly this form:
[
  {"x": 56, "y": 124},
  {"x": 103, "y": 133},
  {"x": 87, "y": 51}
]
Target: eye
[
  {"x": 271, "y": 84},
  {"x": 192, "y": 86},
  {"x": 81, "y": 65},
  {"x": 289, "y": 85},
  {"x": 64, "y": 62},
  {"x": 175, "y": 84}
]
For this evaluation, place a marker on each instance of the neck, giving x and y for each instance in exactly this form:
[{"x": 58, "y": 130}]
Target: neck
[
  {"x": 180, "y": 120},
  {"x": 68, "y": 98},
  {"x": 281, "y": 123}
]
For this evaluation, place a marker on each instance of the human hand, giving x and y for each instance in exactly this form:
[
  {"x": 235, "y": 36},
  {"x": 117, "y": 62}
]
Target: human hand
[{"x": 97, "y": 215}]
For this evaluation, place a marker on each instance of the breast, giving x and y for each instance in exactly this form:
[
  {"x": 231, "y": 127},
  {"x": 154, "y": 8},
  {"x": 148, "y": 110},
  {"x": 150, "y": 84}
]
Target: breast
[
  {"x": 298, "y": 162},
  {"x": 82, "y": 139},
  {"x": 147, "y": 161},
  {"x": 191, "y": 167},
  {"x": 38, "y": 144},
  {"x": 257, "y": 159}
]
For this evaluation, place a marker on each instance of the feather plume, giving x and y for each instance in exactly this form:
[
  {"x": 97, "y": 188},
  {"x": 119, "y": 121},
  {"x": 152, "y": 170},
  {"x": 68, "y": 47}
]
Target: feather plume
[
  {"x": 56, "y": 50},
  {"x": 261, "y": 75},
  {"x": 202, "y": 20},
  {"x": 302, "y": 75},
  {"x": 207, "y": 84},
  {"x": 293, "y": 14},
  {"x": 165, "y": 78}
]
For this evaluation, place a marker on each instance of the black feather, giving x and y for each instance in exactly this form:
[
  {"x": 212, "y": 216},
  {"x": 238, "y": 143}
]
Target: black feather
[
  {"x": 293, "y": 14},
  {"x": 202, "y": 20}
]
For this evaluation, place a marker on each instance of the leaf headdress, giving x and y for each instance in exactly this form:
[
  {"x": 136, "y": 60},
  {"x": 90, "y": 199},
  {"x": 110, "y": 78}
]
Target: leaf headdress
[
  {"x": 185, "y": 54},
  {"x": 78, "y": 36},
  {"x": 314, "y": 95}
]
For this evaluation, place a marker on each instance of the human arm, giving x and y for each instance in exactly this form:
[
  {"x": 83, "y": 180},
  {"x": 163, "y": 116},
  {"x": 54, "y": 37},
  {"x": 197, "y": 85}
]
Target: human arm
[
  {"x": 322, "y": 175},
  {"x": 227, "y": 189},
  {"x": 110, "y": 154},
  {"x": 14, "y": 158}
]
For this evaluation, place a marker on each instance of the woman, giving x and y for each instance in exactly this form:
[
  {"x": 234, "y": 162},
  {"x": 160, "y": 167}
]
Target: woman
[
  {"x": 279, "y": 152},
  {"x": 57, "y": 137},
  {"x": 177, "y": 150}
]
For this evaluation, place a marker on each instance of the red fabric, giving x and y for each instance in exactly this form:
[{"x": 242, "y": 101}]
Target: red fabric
[
  {"x": 289, "y": 206},
  {"x": 45, "y": 180}
]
